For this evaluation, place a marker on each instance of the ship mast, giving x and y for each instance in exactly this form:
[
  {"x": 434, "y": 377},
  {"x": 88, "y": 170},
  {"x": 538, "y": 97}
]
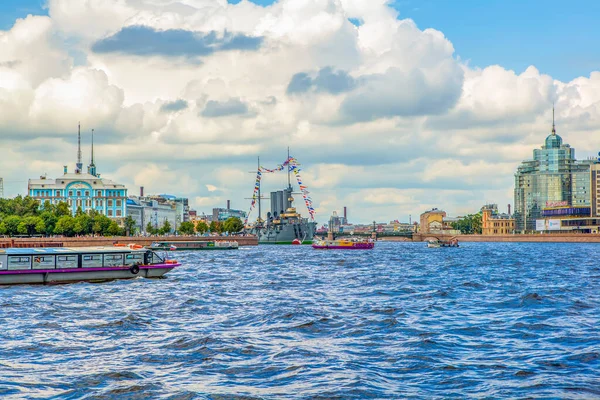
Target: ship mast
[
  {"x": 288, "y": 168},
  {"x": 259, "y": 210}
]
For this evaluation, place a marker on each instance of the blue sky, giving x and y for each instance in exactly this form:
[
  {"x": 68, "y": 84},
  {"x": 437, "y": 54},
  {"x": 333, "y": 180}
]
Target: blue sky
[{"x": 560, "y": 38}]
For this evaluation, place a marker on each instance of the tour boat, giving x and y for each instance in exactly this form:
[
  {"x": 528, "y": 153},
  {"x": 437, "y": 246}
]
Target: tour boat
[
  {"x": 194, "y": 245},
  {"x": 63, "y": 264},
  {"x": 343, "y": 244},
  {"x": 442, "y": 243}
]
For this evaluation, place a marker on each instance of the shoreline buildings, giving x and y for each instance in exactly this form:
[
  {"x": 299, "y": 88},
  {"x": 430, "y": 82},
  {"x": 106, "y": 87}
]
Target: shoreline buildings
[
  {"x": 554, "y": 186},
  {"x": 495, "y": 223},
  {"x": 85, "y": 190}
]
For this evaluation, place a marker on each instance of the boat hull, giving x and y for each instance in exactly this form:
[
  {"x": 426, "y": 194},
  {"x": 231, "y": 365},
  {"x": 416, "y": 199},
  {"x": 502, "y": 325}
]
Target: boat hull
[
  {"x": 51, "y": 276},
  {"x": 355, "y": 246},
  {"x": 192, "y": 248}
]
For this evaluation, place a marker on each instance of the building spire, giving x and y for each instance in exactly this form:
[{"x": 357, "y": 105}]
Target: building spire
[
  {"x": 92, "y": 147},
  {"x": 92, "y": 166},
  {"x": 79, "y": 165},
  {"x": 553, "y": 126}
]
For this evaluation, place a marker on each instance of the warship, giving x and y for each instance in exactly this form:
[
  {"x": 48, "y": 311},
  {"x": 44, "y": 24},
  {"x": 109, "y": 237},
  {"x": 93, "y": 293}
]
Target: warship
[{"x": 283, "y": 224}]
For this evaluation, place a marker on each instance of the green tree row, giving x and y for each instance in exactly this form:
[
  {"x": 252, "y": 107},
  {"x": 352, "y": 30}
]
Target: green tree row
[
  {"x": 469, "y": 225},
  {"x": 23, "y": 216},
  {"x": 231, "y": 225}
]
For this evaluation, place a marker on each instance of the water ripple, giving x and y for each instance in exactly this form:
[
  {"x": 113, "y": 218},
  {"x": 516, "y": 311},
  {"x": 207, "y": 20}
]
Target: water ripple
[{"x": 486, "y": 320}]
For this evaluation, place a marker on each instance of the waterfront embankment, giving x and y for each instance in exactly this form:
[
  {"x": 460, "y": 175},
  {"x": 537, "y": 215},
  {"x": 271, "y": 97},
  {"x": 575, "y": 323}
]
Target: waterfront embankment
[
  {"x": 535, "y": 238},
  {"x": 111, "y": 240}
]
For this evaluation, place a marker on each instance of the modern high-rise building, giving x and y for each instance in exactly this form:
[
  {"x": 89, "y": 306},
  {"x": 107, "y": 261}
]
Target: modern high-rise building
[{"x": 553, "y": 179}]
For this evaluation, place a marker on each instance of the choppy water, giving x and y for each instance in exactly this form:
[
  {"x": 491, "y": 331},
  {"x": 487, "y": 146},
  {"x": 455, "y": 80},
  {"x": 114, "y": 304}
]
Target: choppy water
[{"x": 486, "y": 320}]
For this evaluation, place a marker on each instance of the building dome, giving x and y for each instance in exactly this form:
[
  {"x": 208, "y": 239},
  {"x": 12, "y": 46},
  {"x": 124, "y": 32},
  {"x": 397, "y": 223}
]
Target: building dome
[{"x": 553, "y": 141}]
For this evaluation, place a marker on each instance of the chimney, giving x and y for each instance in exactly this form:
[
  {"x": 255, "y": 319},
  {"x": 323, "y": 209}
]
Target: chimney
[
  {"x": 509, "y": 209},
  {"x": 141, "y": 191},
  {"x": 228, "y": 204},
  {"x": 345, "y": 214}
]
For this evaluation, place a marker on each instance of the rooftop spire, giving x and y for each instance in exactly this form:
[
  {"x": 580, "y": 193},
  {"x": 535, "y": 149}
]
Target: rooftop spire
[
  {"x": 553, "y": 126},
  {"x": 92, "y": 147},
  {"x": 92, "y": 166},
  {"x": 79, "y": 165}
]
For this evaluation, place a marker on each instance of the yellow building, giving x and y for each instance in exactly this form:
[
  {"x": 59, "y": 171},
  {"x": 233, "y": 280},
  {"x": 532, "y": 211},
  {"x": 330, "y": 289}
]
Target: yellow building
[
  {"x": 493, "y": 223},
  {"x": 432, "y": 219}
]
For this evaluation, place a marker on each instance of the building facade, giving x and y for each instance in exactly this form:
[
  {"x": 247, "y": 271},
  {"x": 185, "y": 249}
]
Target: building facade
[
  {"x": 495, "y": 223},
  {"x": 87, "y": 191},
  {"x": 146, "y": 211},
  {"x": 553, "y": 177},
  {"x": 432, "y": 220},
  {"x": 222, "y": 214}
]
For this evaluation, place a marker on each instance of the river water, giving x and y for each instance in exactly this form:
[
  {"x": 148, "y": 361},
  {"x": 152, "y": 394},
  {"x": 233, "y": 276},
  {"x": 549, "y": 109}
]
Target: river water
[{"x": 485, "y": 320}]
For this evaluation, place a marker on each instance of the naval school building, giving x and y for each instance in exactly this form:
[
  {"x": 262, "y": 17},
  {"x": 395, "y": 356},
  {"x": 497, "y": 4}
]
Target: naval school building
[{"x": 79, "y": 189}]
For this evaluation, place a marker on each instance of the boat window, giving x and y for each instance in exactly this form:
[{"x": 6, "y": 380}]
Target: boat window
[
  {"x": 136, "y": 258},
  {"x": 43, "y": 262},
  {"x": 66, "y": 262},
  {"x": 16, "y": 262},
  {"x": 154, "y": 258},
  {"x": 92, "y": 261},
  {"x": 113, "y": 260}
]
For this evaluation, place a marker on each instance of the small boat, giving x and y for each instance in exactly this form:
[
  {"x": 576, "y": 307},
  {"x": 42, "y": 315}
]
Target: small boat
[
  {"x": 194, "y": 245},
  {"x": 343, "y": 244},
  {"x": 442, "y": 243},
  {"x": 97, "y": 264}
]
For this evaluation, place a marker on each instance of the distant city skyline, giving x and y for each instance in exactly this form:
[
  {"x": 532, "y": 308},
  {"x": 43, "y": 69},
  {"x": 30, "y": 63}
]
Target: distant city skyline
[{"x": 389, "y": 116}]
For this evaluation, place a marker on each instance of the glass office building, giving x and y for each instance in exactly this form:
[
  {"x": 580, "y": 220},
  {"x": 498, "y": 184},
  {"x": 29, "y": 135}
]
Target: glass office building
[{"x": 553, "y": 178}]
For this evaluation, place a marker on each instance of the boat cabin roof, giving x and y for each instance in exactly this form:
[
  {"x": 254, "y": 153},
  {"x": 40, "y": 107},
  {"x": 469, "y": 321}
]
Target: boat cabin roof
[{"x": 69, "y": 250}]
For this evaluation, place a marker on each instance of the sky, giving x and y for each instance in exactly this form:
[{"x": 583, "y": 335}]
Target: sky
[{"x": 392, "y": 107}]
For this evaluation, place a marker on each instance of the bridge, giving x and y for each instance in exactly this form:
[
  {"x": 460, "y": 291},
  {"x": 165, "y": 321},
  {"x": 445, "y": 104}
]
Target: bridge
[{"x": 402, "y": 236}]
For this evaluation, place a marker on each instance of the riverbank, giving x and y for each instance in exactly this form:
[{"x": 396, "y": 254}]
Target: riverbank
[
  {"x": 537, "y": 238},
  {"x": 111, "y": 240}
]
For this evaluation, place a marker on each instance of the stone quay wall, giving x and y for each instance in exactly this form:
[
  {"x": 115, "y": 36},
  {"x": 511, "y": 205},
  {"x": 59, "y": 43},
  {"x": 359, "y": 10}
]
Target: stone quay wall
[
  {"x": 536, "y": 238},
  {"x": 109, "y": 241}
]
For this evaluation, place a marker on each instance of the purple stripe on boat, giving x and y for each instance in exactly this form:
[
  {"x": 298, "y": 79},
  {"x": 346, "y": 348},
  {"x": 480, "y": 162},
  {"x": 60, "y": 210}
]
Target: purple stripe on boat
[{"x": 66, "y": 270}]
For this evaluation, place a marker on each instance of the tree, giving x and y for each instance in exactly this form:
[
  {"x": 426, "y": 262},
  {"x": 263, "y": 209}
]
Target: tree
[
  {"x": 101, "y": 224},
  {"x": 129, "y": 225},
  {"x": 186, "y": 228},
  {"x": 150, "y": 229},
  {"x": 216, "y": 227},
  {"x": 65, "y": 225},
  {"x": 166, "y": 228},
  {"x": 62, "y": 209},
  {"x": 201, "y": 227},
  {"x": 233, "y": 225},
  {"x": 82, "y": 224},
  {"x": 12, "y": 224},
  {"x": 50, "y": 220},
  {"x": 114, "y": 229},
  {"x": 469, "y": 225}
]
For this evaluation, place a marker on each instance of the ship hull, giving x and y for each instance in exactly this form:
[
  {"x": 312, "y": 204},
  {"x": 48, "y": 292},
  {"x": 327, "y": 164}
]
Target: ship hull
[{"x": 285, "y": 234}]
